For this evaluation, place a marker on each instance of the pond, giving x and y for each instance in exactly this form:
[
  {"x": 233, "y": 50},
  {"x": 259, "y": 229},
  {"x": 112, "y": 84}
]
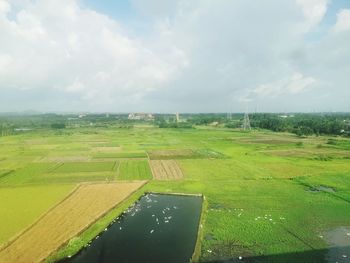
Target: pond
[
  {"x": 321, "y": 188},
  {"x": 158, "y": 228}
]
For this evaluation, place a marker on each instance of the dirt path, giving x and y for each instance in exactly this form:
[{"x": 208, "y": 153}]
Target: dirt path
[
  {"x": 66, "y": 220},
  {"x": 166, "y": 170}
]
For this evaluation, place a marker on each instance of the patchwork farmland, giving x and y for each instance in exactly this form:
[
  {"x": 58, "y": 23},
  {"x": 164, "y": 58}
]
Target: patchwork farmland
[{"x": 263, "y": 189}]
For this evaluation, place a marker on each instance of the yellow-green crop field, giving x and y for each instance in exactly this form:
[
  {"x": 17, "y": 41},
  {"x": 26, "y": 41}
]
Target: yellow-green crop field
[{"x": 267, "y": 193}]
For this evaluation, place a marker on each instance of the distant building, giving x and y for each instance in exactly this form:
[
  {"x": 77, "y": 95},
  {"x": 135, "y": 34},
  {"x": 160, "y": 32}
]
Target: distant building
[
  {"x": 22, "y": 129},
  {"x": 141, "y": 116},
  {"x": 286, "y": 116},
  {"x": 177, "y": 115},
  {"x": 345, "y": 132}
]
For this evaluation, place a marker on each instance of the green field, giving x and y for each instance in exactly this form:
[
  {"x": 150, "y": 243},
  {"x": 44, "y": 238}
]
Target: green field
[
  {"x": 134, "y": 170},
  {"x": 85, "y": 167},
  {"x": 121, "y": 155},
  {"x": 258, "y": 185},
  {"x": 21, "y": 206}
]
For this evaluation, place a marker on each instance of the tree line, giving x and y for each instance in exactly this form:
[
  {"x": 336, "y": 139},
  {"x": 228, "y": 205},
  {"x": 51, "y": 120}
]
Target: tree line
[
  {"x": 298, "y": 123},
  {"x": 303, "y": 124}
]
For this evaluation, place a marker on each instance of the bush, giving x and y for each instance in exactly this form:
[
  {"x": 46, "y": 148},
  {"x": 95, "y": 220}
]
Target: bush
[{"x": 58, "y": 126}]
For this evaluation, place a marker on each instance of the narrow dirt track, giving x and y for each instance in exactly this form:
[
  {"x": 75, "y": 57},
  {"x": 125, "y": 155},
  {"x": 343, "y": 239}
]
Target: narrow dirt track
[{"x": 66, "y": 220}]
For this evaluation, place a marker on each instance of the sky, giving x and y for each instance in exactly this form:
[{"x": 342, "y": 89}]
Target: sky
[{"x": 174, "y": 56}]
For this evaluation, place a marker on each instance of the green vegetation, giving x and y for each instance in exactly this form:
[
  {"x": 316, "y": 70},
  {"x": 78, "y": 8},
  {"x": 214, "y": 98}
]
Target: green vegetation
[
  {"x": 184, "y": 154},
  {"x": 298, "y": 123},
  {"x": 121, "y": 155},
  {"x": 134, "y": 170},
  {"x": 303, "y": 124},
  {"x": 21, "y": 206},
  {"x": 85, "y": 167},
  {"x": 248, "y": 178},
  {"x": 58, "y": 126}
]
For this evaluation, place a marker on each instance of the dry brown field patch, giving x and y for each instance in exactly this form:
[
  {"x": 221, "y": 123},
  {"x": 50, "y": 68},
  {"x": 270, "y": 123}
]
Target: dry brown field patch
[
  {"x": 170, "y": 154},
  {"x": 107, "y": 149},
  {"x": 70, "y": 217},
  {"x": 63, "y": 159},
  {"x": 166, "y": 170}
]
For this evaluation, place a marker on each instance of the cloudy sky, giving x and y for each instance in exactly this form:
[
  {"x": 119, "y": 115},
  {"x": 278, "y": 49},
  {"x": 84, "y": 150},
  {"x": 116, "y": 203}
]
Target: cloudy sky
[{"x": 175, "y": 55}]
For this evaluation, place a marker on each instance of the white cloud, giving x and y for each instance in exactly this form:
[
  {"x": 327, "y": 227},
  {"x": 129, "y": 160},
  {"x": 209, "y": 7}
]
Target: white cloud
[
  {"x": 293, "y": 85},
  {"x": 343, "y": 21},
  {"x": 299, "y": 83},
  {"x": 76, "y": 86},
  {"x": 180, "y": 56},
  {"x": 57, "y": 45},
  {"x": 313, "y": 11},
  {"x": 4, "y": 7},
  {"x": 5, "y": 61}
]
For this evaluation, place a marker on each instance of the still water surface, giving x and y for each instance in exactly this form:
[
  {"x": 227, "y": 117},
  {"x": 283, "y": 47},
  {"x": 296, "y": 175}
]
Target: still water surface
[{"x": 157, "y": 229}]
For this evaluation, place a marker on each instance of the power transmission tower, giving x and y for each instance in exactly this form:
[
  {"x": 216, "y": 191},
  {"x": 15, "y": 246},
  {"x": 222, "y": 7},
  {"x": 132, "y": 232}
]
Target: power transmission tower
[
  {"x": 229, "y": 112},
  {"x": 246, "y": 122}
]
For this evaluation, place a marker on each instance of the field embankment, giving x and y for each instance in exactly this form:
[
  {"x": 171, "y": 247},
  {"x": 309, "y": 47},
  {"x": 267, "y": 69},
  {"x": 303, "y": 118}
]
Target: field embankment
[{"x": 66, "y": 220}]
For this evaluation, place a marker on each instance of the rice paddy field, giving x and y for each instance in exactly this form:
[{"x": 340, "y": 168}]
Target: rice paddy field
[
  {"x": 266, "y": 193},
  {"x": 86, "y": 204}
]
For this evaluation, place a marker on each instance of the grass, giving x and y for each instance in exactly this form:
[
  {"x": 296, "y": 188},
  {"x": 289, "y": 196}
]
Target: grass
[
  {"x": 84, "y": 167},
  {"x": 26, "y": 174},
  {"x": 121, "y": 155},
  {"x": 5, "y": 173},
  {"x": 184, "y": 154},
  {"x": 21, "y": 206},
  {"x": 263, "y": 173},
  {"x": 134, "y": 170}
]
